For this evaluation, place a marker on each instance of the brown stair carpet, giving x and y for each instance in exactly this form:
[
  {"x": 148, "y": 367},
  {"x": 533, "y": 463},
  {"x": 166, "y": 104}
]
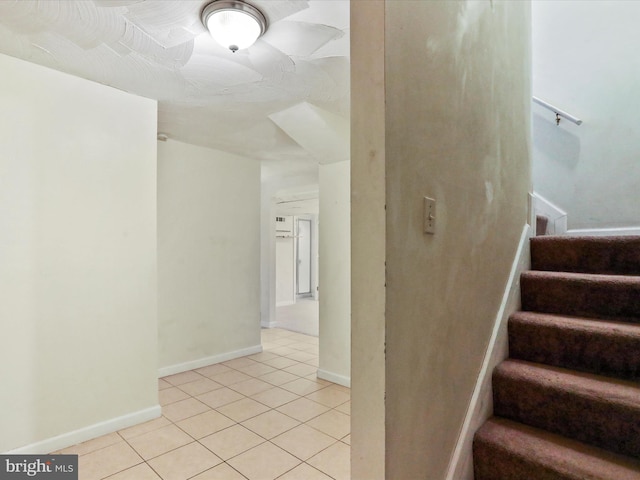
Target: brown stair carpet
[
  {"x": 584, "y": 344},
  {"x": 616, "y": 255},
  {"x": 567, "y": 401},
  {"x": 511, "y": 451}
]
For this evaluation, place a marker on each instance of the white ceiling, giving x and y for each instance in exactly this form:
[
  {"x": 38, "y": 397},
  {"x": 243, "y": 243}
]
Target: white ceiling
[{"x": 284, "y": 101}]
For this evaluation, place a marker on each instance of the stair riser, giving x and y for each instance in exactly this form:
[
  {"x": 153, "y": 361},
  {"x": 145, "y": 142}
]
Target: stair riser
[
  {"x": 587, "y": 418},
  {"x": 581, "y": 298},
  {"x": 609, "y": 255},
  {"x": 612, "y": 353}
]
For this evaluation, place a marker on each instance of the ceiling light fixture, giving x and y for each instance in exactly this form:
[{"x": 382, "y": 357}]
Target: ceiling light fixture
[{"x": 234, "y": 24}]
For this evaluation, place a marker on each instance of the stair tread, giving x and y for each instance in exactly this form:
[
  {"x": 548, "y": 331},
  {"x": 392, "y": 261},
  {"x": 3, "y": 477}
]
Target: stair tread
[
  {"x": 556, "y": 456},
  {"x": 581, "y": 294},
  {"x": 601, "y": 411},
  {"x": 605, "y": 347},
  {"x": 613, "y": 254},
  {"x": 607, "y": 388}
]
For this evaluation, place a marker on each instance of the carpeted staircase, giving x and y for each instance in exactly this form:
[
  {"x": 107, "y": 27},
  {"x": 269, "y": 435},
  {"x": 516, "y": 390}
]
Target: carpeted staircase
[{"x": 567, "y": 400}]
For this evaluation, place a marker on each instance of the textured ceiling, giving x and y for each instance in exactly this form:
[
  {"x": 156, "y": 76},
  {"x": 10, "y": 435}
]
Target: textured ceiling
[{"x": 283, "y": 101}]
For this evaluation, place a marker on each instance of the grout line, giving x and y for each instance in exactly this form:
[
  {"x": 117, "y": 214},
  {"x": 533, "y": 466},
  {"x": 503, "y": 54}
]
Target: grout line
[{"x": 250, "y": 397}]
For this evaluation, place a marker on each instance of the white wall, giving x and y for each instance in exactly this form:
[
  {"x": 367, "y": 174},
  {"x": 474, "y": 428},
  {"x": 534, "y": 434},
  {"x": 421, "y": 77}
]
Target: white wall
[
  {"x": 335, "y": 273},
  {"x": 585, "y": 61},
  {"x": 208, "y": 256},
  {"x": 78, "y": 314}
]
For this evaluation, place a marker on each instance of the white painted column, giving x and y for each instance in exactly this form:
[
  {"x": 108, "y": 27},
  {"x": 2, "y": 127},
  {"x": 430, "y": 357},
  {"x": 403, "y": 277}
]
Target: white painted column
[{"x": 335, "y": 273}]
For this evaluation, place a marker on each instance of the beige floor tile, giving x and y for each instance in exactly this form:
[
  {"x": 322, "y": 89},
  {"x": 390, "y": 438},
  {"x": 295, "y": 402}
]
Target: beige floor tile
[
  {"x": 275, "y": 397},
  {"x": 333, "y": 423},
  {"x": 139, "y": 472},
  {"x": 267, "y": 346},
  {"x": 303, "y": 441},
  {"x": 302, "y": 356},
  {"x": 264, "y": 462},
  {"x": 334, "y": 461},
  {"x": 282, "y": 351},
  {"x": 314, "y": 378},
  {"x": 243, "y": 409},
  {"x": 231, "y": 377},
  {"x": 345, "y": 408},
  {"x": 302, "y": 386},
  {"x": 279, "y": 377},
  {"x": 270, "y": 424},
  {"x": 184, "y": 462},
  {"x": 211, "y": 370},
  {"x": 145, "y": 427},
  {"x": 93, "y": 444},
  {"x": 200, "y": 386},
  {"x": 285, "y": 340},
  {"x": 157, "y": 442},
  {"x": 107, "y": 461},
  {"x": 239, "y": 362},
  {"x": 184, "y": 377},
  {"x": 205, "y": 424},
  {"x": 262, "y": 356},
  {"x": 232, "y": 441},
  {"x": 171, "y": 395},
  {"x": 299, "y": 345},
  {"x": 221, "y": 472},
  {"x": 347, "y": 439},
  {"x": 280, "y": 362},
  {"x": 313, "y": 361},
  {"x": 163, "y": 384},
  {"x": 257, "y": 369},
  {"x": 342, "y": 388},
  {"x": 301, "y": 369},
  {"x": 309, "y": 348},
  {"x": 220, "y": 397},
  {"x": 301, "y": 337},
  {"x": 303, "y": 409},
  {"x": 251, "y": 387},
  {"x": 184, "y": 409},
  {"x": 304, "y": 472},
  {"x": 330, "y": 396}
]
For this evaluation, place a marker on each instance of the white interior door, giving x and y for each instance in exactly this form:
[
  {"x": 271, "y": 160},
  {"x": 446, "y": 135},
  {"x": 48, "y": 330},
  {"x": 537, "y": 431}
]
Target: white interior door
[{"x": 303, "y": 273}]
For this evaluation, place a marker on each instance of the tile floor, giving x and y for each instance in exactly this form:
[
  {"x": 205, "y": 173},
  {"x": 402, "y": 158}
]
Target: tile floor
[{"x": 261, "y": 417}]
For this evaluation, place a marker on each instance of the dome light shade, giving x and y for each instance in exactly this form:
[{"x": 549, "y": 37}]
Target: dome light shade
[{"x": 234, "y": 24}]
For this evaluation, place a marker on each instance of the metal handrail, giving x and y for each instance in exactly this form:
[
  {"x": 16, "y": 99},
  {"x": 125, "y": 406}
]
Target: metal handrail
[{"x": 559, "y": 113}]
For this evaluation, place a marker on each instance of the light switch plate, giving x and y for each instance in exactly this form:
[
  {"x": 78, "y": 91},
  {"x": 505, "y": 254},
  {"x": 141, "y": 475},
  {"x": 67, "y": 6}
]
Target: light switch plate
[{"x": 429, "y": 215}]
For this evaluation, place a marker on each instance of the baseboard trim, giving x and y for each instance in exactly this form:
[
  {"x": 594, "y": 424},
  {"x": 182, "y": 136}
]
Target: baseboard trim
[
  {"x": 87, "y": 433},
  {"x": 205, "y": 362},
  {"x": 604, "y": 232},
  {"x": 334, "y": 378},
  {"x": 270, "y": 325},
  {"x": 480, "y": 406}
]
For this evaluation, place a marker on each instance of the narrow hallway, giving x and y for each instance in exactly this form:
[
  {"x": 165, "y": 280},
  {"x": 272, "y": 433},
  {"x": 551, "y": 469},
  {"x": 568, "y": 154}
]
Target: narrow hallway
[{"x": 265, "y": 416}]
